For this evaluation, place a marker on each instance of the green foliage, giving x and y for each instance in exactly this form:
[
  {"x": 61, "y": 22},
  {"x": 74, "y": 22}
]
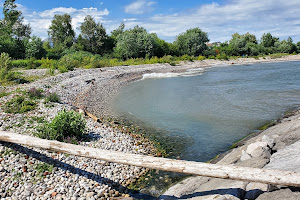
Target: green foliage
[
  {"x": 135, "y": 43},
  {"x": 61, "y": 31},
  {"x": 5, "y": 61},
  {"x": 69, "y": 63},
  {"x": 3, "y": 94},
  {"x": 65, "y": 124},
  {"x": 267, "y": 40},
  {"x": 5, "y": 68},
  {"x": 41, "y": 168},
  {"x": 192, "y": 42},
  {"x": 52, "y": 97},
  {"x": 19, "y": 104},
  {"x": 34, "y": 93},
  {"x": 94, "y": 35},
  {"x": 34, "y": 48}
]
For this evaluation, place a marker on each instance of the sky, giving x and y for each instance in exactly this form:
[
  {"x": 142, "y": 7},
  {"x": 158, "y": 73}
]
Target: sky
[{"x": 168, "y": 18}]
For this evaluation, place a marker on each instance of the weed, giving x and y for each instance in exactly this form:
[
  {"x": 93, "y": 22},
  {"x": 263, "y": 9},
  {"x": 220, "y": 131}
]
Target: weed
[
  {"x": 65, "y": 124},
  {"x": 52, "y": 97},
  {"x": 19, "y": 105},
  {"x": 34, "y": 93},
  {"x": 43, "y": 167}
]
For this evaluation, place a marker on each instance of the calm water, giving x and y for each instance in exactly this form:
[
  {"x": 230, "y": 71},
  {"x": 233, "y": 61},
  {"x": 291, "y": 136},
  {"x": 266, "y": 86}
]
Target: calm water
[{"x": 212, "y": 110}]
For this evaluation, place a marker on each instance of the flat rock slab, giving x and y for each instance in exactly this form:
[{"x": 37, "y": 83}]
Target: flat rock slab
[
  {"x": 283, "y": 194},
  {"x": 286, "y": 159}
]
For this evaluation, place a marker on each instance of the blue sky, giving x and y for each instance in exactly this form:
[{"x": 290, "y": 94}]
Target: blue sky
[{"x": 168, "y": 18}]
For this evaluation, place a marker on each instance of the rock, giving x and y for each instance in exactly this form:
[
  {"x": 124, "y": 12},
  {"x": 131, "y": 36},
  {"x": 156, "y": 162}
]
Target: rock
[
  {"x": 254, "y": 162},
  {"x": 253, "y": 190},
  {"x": 231, "y": 157},
  {"x": 285, "y": 194},
  {"x": 54, "y": 194},
  {"x": 268, "y": 140},
  {"x": 245, "y": 156},
  {"x": 253, "y": 146},
  {"x": 90, "y": 194},
  {"x": 286, "y": 158}
]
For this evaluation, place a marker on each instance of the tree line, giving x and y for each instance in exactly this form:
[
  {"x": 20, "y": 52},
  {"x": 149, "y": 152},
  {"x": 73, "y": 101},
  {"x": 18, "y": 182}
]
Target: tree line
[{"x": 16, "y": 40}]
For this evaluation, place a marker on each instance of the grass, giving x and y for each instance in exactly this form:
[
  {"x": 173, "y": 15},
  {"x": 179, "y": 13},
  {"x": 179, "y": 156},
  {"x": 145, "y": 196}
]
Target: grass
[
  {"x": 19, "y": 104},
  {"x": 41, "y": 168},
  {"x": 52, "y": 97}
]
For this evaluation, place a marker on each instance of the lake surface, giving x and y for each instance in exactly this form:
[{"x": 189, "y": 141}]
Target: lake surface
[{"x": 212, "y": 109}]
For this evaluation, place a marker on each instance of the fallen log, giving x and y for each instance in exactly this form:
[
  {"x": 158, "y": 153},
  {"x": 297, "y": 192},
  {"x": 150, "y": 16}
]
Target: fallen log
[{"x": 275, "y": 177}]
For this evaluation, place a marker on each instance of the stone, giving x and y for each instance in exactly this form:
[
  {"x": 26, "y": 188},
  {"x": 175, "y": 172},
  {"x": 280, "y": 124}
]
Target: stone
[
  {"x": 286, "y": 159},
  {"x": 251, "y": 147},
  {"x": 253, "y": 190},
  {"x": 245, "y": 156},
  {"x": 268, "y": 140},
  {"x": 285, "y": 194},
  {"x": 90, "y": 194}
]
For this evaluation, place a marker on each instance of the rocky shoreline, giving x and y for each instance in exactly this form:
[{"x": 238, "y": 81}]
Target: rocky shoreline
[{"x": 29, "y": 173}]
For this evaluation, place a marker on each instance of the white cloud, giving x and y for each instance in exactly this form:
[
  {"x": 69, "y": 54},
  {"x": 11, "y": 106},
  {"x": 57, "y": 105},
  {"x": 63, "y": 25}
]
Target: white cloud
[
  {"x": 139, "y": 7},
  {"x": 40, "y": 21},
  {"x": 280, "y": 17}
]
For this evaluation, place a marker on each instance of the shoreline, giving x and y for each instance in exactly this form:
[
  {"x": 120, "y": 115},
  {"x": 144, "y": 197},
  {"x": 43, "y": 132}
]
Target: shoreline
[{"x": 71, "y": 85}]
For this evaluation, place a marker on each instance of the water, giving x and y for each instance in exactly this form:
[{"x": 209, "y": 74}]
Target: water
[{"x": 215, "y": 108}]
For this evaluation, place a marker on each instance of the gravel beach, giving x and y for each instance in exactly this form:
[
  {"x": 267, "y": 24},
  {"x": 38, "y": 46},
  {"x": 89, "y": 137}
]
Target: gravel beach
[{"x": 30, "y": 173}]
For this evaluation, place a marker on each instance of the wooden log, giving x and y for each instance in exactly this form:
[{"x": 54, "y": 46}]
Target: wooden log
[{"x": 276, "y": 177}]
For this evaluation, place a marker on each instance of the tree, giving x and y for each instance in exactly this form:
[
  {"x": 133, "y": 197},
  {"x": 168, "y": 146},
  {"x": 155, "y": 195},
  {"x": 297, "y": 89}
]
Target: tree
[
  {"x": 267, "y": 40},
  {"x": 135, "y": 43},
  {"x": 287, "y": 46},
  {"x": 13, "y": 31},
  {"x": 243, "y": 44},
  {"x": 61, "y": 31},
  {"x": 192, "y": 42},
  {"x": 115, "y": 33},
  {"x": 94, "y": 34},
  {"x": 34, "y": 48}
]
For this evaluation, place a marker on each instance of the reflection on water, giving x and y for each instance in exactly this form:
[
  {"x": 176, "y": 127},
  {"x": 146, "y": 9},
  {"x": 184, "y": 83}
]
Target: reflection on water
[{"x": 216, "y": 108}]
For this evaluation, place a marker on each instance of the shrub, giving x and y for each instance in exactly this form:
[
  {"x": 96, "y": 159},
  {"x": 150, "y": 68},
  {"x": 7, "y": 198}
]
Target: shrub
[
  {"x": 34, "y": 93},
  {"x": 5, "y": 67},
  {"x": 52, "y": 97},
  {"x": 69, "y": 63},
  {"x": 19, "y": 105},
  {"x": 65, "y": 124},
  {"x": 201, "y": 58},
  {"x": 19, "y": 63}
]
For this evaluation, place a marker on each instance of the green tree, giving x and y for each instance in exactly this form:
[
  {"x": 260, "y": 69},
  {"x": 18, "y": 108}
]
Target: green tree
[
  {"x": 13, "y": 31},
  {"x": 192, "y": 42},
  {"x": 287, "y": 46},
  {"x": 34, "y": 48},
  {"x": 267, "y": 40},
  {"x": 61, "y": 31},
  {"x": 94, "y": 34},
  {"x": 243, "y": 44},
  {"x": 115, "y": 33},
  {"x": 135, "y": 43}
]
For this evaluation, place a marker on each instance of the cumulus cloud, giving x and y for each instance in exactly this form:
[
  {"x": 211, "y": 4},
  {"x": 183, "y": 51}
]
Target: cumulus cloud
[
  {"x": 40, "y": 21},
  {"x": 139, "y": 7},
  {"x": 280, "y": 17}
]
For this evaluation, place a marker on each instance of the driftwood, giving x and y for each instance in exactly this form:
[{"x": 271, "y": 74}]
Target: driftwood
[{"x": 276, "y": 177}]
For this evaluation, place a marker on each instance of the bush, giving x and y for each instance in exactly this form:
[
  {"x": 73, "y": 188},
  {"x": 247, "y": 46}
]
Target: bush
[
  {"x": 19, "y": 105},
  {"x": 34, "y": 93},
  {"x": 5, "y": 67},
  {"x": 19, "y": 63},
  {"x": 52, "y": 97},
  {"x": 65, "y": 124},
  {"x": 69, "y": 63}
]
